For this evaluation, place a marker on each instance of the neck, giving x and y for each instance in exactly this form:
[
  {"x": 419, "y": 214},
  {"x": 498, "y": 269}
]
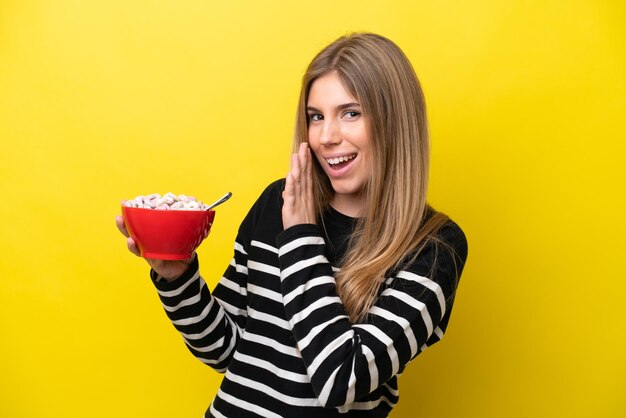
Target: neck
[{"x": 349, "y": 205}]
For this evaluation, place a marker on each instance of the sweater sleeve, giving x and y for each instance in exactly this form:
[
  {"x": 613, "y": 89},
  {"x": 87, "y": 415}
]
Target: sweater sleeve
[
  {"x": 211, "y": 323},
  {"x": 345, "y": 361}
]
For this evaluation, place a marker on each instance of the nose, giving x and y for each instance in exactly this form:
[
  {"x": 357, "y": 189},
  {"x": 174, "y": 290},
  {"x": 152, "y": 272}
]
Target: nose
[{"x": 330, "y": 134}]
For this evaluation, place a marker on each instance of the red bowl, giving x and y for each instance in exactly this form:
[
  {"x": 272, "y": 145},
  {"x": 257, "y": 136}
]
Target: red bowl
[{"x": 167, "y": 234}]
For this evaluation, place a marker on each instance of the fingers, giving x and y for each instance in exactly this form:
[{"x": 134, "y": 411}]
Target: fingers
[
  {"x": 301, "y": 160},
  {"x": 302, "y": 157},
  {"x": 296, "y": 170},
  {"x": 308, "y": 172},
  {"x": 304, "y": 167},
  {"x": 288, "y": 201},
  {"x": 296, "y": 176},
  {"x": 289, "y": 191},
  {"x": 132, "y": 247},
  {"x": 130, "y": 243},
  {"x": 298, "y": 205},
  {"x": 119, "y": 221}
]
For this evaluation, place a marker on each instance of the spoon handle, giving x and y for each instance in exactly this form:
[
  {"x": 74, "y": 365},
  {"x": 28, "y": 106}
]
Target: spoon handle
[{"x": 220, "y": 201}]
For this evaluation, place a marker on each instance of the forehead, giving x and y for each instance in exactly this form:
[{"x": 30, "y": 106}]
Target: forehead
[{"x": 330, "y": 90}]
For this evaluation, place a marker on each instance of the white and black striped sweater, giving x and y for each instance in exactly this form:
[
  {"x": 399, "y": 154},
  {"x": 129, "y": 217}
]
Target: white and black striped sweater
[{"x": 275, "y": 326}]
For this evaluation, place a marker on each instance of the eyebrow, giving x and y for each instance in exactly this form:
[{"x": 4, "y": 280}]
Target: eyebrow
[{"x": 340, "y": 107}]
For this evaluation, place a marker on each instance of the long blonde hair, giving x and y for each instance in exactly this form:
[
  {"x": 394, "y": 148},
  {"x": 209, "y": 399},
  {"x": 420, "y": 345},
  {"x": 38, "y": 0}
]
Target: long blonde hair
[{"x": 394, "y": 227}]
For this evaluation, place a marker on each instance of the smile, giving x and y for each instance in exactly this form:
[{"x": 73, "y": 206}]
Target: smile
[{"x": 338, "y": 160}]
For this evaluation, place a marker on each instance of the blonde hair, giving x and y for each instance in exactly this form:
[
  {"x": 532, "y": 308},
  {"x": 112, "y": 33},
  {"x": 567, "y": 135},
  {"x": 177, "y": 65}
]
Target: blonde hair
[{"x": 394, "y": 227}]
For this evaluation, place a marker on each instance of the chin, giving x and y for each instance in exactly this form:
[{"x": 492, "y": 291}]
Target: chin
[{"x": 347, "y": 189}]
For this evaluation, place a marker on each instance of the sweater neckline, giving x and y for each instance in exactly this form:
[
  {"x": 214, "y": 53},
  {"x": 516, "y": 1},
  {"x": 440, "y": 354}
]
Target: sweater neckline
[{"x": 339, "y": 219}]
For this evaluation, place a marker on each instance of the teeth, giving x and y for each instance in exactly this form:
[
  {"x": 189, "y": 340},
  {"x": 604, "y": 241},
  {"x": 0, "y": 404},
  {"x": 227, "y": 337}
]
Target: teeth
[{"x": 337, "y": 160}]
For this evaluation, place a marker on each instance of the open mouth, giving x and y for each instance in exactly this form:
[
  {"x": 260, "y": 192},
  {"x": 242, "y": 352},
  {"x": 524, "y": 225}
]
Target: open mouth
[{"x": 337, "y": 163}]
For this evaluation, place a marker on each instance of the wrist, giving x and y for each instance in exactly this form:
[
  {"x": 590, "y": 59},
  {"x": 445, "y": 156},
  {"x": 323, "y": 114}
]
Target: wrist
[{"x": 166, "y": 273}]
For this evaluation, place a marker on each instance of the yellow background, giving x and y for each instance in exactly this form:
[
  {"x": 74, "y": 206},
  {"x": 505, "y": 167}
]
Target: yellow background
[{"x": 106, "y": 100}]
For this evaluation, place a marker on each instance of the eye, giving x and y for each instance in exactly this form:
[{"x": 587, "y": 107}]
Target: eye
[
  {"x": 314, "y": 117},
  {"x": 351, "y": 114}
]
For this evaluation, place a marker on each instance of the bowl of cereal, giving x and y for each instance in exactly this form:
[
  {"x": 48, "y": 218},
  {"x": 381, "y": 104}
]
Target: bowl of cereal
[{"x": 168, "y": 227}]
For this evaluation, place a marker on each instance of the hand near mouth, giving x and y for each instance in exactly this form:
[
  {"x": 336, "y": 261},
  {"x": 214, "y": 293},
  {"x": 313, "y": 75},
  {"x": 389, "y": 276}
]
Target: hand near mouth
[{"x": 298, "y": 206}]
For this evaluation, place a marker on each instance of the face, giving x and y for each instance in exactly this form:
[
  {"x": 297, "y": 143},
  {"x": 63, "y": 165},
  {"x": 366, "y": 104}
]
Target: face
[{"x": 340, "y": 139}]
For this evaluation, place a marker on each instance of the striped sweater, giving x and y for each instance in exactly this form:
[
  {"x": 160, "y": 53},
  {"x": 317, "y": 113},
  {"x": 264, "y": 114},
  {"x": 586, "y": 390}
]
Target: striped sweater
[{"x": 277, "y": 330}]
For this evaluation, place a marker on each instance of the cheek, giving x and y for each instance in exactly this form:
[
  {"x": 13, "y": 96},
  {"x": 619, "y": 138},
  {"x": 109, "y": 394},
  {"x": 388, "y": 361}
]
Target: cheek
[
  {"x": 317, "y": 157},
  {"x": 313, "y": 139},
  {"x": 367, "y": 153}
]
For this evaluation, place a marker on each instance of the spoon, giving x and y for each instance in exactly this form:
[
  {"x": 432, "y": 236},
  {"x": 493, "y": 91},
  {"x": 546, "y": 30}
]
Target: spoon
[{"x": 220, "y": 201}]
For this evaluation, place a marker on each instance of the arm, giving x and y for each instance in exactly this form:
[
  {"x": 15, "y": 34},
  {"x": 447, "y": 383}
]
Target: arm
[
  {"x": 345, "y": 361},
  {"x": 210, "y": 324},
  {"x": 348, "y": 361}
]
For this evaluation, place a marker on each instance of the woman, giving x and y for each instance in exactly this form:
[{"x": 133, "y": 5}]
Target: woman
[{"x": 342, "y": 273}]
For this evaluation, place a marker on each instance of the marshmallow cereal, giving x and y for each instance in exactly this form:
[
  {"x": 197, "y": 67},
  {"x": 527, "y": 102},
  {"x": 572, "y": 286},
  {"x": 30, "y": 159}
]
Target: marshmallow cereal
[{"x": 169, "y": 201}]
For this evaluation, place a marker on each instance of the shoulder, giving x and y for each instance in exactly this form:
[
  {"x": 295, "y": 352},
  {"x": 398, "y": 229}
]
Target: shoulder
[
  {"x": 453, "y": 236},
  {"x": 441, "y": 256},
  {"x": 449, "y": 234},
  {"x": 266, "y": 210},
  {"x": 272, "y": 196},
  {"x": 275, "y": 189}
]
